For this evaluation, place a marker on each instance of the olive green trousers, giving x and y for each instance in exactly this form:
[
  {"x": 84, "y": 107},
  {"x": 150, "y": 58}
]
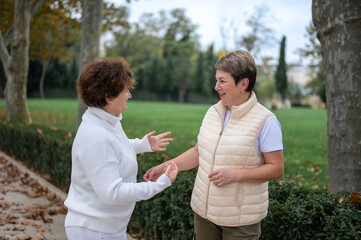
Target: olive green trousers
[{"x": 207, "y": 230}]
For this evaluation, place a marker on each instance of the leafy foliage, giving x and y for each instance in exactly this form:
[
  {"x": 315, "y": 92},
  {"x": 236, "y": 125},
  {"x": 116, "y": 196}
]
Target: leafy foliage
[
  {"x": 43, "y": 148},
  {"x": 295, "y": 212},
  {"x": 165, "y": 66},
  {"x": 302, "y": 213},
  {"x": 260, "y": 34},
  {"x": 281, "y": 72}
]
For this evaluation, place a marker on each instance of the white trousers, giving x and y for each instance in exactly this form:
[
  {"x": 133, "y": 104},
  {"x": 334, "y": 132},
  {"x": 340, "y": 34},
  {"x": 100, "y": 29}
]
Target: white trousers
[{"x": 82, "y": 233}]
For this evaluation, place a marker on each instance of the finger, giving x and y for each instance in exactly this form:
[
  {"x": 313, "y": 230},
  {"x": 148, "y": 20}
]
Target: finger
[
  {"x": 150, "y": 134},
  {"x": 165, "y": 167},
  {"x": 160, "y": 149},
  {"x": 146, "y": 176},
  {"x": 168, "y": 170},
  {"x": 163, "y": 144},
  {"x": 174, "y": 170},
  {"x": 162, "y": 135},
  {"x": 175, "y": 167},
  {"x": 212, "y": 174},
  {"x": 166, "y": 140}
]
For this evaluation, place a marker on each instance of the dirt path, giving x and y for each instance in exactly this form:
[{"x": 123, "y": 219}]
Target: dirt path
[{"x": 30, "y": 207}]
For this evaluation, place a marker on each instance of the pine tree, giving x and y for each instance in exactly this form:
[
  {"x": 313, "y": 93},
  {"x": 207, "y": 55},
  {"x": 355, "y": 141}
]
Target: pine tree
[
  {"x": 281, "y": 72},
  {"x": 199, "y": 74},
  {"x": 210, "y": 60}
]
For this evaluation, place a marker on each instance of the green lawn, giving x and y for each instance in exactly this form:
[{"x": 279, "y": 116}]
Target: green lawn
[{"x": 304, "y": 130}]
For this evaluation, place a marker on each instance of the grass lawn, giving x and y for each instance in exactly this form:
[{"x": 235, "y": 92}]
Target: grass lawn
[{"x": 304, "y": 130}]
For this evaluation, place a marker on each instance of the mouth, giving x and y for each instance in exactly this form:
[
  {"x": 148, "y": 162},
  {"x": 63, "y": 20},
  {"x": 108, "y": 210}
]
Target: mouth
[{"x": 221, "y": 95}]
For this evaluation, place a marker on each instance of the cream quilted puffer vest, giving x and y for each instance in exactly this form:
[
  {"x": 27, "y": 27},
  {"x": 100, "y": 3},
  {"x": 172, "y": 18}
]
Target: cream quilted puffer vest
[{"x": 235, "y": 204}]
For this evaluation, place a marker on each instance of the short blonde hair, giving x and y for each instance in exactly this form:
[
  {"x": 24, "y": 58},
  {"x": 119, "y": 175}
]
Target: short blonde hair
[{"x": 240, "y": 64}]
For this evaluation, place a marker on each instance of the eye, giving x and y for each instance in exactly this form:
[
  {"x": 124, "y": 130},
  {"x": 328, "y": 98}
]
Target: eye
[{"x": 220, "y": 81}]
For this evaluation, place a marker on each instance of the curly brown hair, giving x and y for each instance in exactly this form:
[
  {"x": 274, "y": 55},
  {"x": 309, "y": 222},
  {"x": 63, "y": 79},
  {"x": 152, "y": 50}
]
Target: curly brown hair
[{"x": 103, "y": 79}]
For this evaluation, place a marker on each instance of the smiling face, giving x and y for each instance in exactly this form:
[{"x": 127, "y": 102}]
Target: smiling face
[
  {"x": 229, "y": 92},
  {"x": 118, "y": 104}
]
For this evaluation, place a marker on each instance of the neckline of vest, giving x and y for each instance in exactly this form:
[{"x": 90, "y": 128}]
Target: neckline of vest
[{"x": 237, "y": 111}]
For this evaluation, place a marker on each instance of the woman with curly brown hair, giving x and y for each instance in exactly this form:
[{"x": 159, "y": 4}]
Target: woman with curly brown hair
[{"x": 103, "y": 189}]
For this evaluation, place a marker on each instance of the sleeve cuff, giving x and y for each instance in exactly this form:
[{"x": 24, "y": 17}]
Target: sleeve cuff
[
  {"x": 146, "y": 144},
  {"x": 142, "y": 145},
  {"x": 164, "y": 180}
]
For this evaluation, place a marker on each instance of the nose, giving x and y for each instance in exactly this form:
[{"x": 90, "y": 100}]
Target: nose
[
  {"x": 129, "y": 95},
  {"x": 216, "y": 87}
]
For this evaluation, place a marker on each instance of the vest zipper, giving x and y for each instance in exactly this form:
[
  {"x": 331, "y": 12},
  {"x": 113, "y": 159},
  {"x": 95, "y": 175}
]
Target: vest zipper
[{"x": 214, "y": 159}]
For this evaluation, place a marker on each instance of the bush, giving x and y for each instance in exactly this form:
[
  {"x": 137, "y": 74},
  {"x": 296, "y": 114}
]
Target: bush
[
  {"x": 47, "y": 150},
  {"x": 294, "y": 213},
  {"x": 303, "y": 213}
]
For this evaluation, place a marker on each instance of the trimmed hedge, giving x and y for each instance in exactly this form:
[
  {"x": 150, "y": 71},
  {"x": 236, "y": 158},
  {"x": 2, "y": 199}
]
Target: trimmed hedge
[
  {"x": 46, "y": 150},
  {"x": 303, "y": 213},
  {"x": 294, "y": 213}
]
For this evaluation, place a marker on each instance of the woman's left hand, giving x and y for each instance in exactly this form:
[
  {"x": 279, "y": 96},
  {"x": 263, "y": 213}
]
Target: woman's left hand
[
  {"x": 222, "y": 177},
  {"x": 157, "y": 142}
]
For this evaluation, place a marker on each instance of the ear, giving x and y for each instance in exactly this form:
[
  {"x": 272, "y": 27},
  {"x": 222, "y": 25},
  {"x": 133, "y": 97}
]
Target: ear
[
  {"x": 245, "y": 83},
  {"x": 108, "y": 100}
]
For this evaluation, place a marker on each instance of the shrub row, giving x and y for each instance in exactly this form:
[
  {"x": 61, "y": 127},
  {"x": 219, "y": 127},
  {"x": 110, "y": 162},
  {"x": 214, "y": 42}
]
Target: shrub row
[
  {"x": 46, "y": 150},
  {"x": 295, "y": 212}
]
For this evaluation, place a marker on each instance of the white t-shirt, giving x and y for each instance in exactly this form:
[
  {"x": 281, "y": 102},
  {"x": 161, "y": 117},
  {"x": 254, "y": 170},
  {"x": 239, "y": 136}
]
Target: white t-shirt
[{"x": 270, "y": 136}]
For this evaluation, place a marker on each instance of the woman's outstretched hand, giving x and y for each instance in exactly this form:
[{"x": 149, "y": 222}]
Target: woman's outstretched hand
[
  {"x": 171, "y": 170},
  {"x": 157, "y": 142}
]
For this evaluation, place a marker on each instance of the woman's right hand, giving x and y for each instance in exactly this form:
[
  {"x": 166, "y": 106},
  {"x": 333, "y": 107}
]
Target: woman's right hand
[{"x": 171, "y": 170}]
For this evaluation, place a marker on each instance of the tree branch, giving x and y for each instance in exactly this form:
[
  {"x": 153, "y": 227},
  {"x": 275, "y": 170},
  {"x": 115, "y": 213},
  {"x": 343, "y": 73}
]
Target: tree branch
[
  {"x": 4, "y": 55},
  {"x": 34, "y": 9}
]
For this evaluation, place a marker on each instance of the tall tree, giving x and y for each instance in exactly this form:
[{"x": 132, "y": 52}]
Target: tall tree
[
  {"x": 199, "y": 74},
  {"x": 140, "y": 44},
  {"x": 209, "y": 82},
  {"x": 16, "y": 65},
  {"x": 90, "y": 42},
  {"x": 180, "y": 43},
  {"x": 204, "y": 78},
  {"x": 260, "y": 35},
  {"x": 281, "y": 72},
  {"x": 7, "y": 17},
  {"x": 54, "y": 31},
  {"x": 338, "y": 29}
]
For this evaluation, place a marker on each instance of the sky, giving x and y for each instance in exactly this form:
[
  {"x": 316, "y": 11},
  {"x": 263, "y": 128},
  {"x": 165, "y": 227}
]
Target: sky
[{"x": 285, "y": 17}]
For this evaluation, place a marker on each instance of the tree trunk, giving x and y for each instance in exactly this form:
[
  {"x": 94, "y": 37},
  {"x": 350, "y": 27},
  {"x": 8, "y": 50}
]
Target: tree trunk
[
  {"x": 42, "y": 78},
  {"x": 4, "y": 56},
  {"x": 34, "y": 9},
  {"x": 15, "y": 90},
  {"x": 338, "y": 29},
  {"x": 182, "y": 87},
  {"x": 90, "y": 43},
  {"x": 181, "y": 94}
]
